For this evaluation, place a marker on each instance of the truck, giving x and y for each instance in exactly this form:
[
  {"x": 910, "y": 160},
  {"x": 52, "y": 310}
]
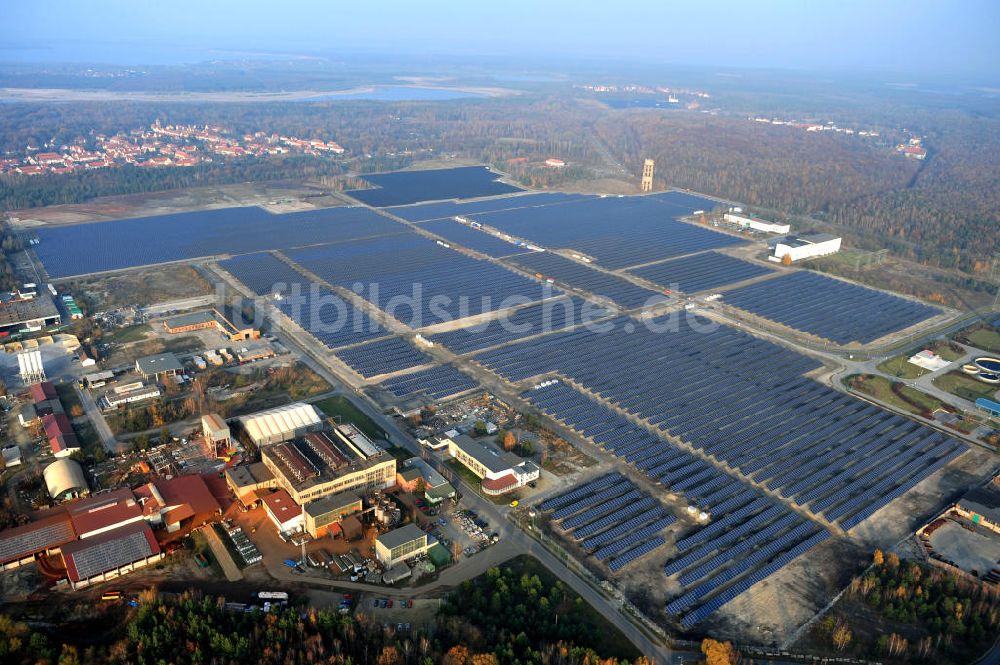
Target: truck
[
  {"x": 291, "y": 563},
  {"x": 279, "y": 596}
]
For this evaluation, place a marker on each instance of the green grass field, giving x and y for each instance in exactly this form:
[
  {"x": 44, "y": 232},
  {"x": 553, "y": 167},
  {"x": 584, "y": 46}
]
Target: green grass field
[
  {"x": 906, "y": 399},
  {"x": 965, "y": 386},
  {"x": 901, "y": 367},
  {"x": 341, "y": 407}
]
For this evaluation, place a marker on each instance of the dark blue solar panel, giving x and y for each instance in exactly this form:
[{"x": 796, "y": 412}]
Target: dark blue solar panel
[
  {"x": 403, "y": 187},
  {"x": 700, "y": 272},
  {"x": 127, "y": 243},
  {"x": 829, "y": 308}
]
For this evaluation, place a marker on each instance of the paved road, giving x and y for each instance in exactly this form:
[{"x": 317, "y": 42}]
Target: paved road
[
  {"x": 97, "y": 418},
  {"x": 229, "y": 567},
  {"x": 513, "y": 540}
]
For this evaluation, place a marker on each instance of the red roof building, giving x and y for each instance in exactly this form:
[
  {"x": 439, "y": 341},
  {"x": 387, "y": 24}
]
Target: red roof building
[
  {"x": 178, "y": 500},
  {"x": 283, "y": 511},
  {"x": 59, "y": 431},
  {"x": 24, "y": 542},
  {"x": 43, "y": 391},
  {"x": 110, "y": 554},
  {"x": 104, "y": 512}
]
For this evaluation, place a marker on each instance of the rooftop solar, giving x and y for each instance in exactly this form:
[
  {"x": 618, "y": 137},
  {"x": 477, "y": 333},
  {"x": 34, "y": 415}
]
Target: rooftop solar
[{"x": 114, "y": 549}]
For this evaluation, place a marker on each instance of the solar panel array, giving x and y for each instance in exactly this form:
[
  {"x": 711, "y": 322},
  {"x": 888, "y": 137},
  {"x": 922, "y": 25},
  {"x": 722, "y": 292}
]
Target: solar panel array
[
  {"x": 100, "y": 557},
  {"x": 263, "y": 273},
  {"x": 426, "y": 211},
  {"x": 700, "y": 272},
  {"x": 466, "y": 236},
  {"x": 600, "y": 504},
  {"x": 838, "y": 311},
  {"x": 382, "y": 357},
  {"x": 551, "y": 315},
  {"x": 100, "y": 246},
  {"x": 616, "y": 231},
  {"x": 416, "y": 280},
  {"x": 572, "y": 273},
  {"x": 403, "y": 187},
  {"x": 437, "y": 383},
  {"x": 738, "y": 400},
  {"x": 744, "y": 522},
  {"x": 332, "y": 320}
]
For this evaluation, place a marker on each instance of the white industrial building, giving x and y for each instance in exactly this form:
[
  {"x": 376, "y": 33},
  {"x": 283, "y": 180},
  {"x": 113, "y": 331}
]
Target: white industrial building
[
  {"x": 281, "y": 424},
  {"x": 803, "y": 247},
  {"x": 756, "y": 223}
]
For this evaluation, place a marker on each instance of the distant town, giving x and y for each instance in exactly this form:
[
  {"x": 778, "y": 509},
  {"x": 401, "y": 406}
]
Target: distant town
[{"x": 159, "y": 146}]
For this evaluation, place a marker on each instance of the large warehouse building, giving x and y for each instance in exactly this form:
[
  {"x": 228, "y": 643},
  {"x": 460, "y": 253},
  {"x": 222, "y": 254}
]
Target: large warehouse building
[
  {"x": 798, "y": 248},
  {"x": 281, "y": 424},
  {"x": 110, "y": 555},
  {"x": 325, "y": 463},
  {"x": 756, "y": 223}
]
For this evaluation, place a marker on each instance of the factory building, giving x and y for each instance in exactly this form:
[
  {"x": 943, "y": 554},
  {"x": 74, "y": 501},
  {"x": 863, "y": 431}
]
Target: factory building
[
  {"x": 323, "y": 516},
  {"x": 110, "y": 555},
  {"x": 20, "y": 545},
  {"x": 982, "y": 505},
  {"x": 500, "y": 471},
  {"x": 64, "y": 479},
  {"x": 104, "y": 512},
  {"x": 128, "y": 394},
  {"x": 158, "y": 366},
  {"x": 798, "y": 248},
  {"x": 325, "y": 463},
  {"x": 756, "y": 223},
  {"x": 28, "y": 315},
  {"x": 283, "y": 511},
  {"x": 401, "y": 545},
  {"x": 217, "y": 433},
  {"x": 416, "y": 470},
  {"x": 178, "y": 501},
  {"x": 281, "y": 424},
  {"x": 211, "y": 319},
  {"x": 249, "y": 481}
]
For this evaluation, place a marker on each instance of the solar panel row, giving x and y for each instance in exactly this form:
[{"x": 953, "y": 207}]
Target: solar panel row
[
  {"x": 830, "y": 308},
  {"x": 700, "y": 272},
  {"x": 567, "y": 272},
  {"x": 437, "y": 383}
]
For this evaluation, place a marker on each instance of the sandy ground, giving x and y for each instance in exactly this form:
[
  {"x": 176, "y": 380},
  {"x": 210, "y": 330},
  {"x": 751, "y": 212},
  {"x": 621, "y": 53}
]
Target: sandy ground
[
  {"x": 277, "y": 197},
  {"x": 978, "y": 551}
]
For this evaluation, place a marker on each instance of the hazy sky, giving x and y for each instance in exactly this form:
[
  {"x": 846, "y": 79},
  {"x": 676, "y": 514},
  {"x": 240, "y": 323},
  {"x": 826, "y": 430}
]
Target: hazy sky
[{"x": 911, "y": 36}]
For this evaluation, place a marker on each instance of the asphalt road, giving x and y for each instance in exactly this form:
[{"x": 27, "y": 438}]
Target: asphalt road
[
  {"x": 513, "y": 541},
  {"x": 97, "y": 418}
]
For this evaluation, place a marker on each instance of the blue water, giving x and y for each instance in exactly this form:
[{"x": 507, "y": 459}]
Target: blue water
[{"x": 397, "y": 94}]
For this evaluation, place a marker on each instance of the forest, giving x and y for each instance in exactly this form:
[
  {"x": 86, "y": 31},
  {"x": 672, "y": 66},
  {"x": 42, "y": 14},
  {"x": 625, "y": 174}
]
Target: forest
[
  {"x": 943, "y": 212},
  {"x": 905, "y": 611},
  {"x": 194, "y": 628}
]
